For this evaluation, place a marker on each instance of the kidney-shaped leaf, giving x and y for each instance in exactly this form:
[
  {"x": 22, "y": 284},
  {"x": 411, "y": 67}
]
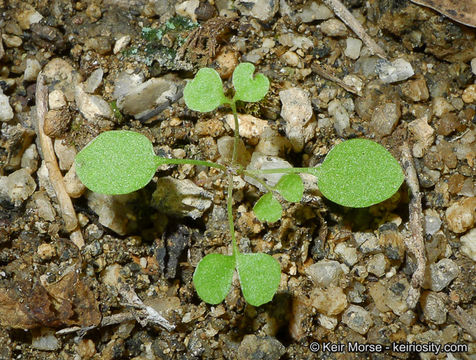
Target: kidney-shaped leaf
[
  {"x": 205, "y": 92},
  {"x": 116, "y": 162},
  {"x": 212, "y": 277},
  {"x": 359, "y": 173},
  {"x": 260, "y": 275},
  {"x": 247, "y": 88},
  {"x": 267, "y": 208},
  {"x": 290, "y": 187}
]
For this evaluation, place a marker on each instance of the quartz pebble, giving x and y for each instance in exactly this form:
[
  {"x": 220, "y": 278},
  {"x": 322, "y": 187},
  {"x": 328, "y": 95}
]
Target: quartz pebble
[
  {"x": 263, "y": 162},
  {"x": 441, "y": 106},
  {"x": 461, "y": 215},
  {"x": 46, "y": 251},
  {"x": 180, "y": 198},
  {"x": 416, "y": 90},
  {"x": 469, "y": 94},
  {"x": 333, "y": 27},
  {"x": 73, "y": 185},
  {"x": 325, "y": 272},
  {"x": 440, "y": 275},
  {"x": 434, "y": 308},
  {"x": 347, "y": 254},
  {"x": 385, "y": 118},
  {"x": 29, "y": 159},
  {"x": 6, "y": 111},
  {"x": 94, "y": 80},
  {"x": 66, "y": 154},
  {"x": 352, "y": 49},
  {"x": 121, "y": 44},
  {"x": 12, "y": 41},
  {"x": 329, "y": 301},
  {"x": 92, "y": 107},
  {"x": 473, "y": 66},
  {"x": 43, "y": 206},
  {"x": 377, "y": 265},
  {"x": 358, "y": 319},
  {"x": 263, "y": 10},
  {"x": 397, "y": 70},
  {"x": 329, "y": 322},
  {"x": 56, "y": 100},
  {"x": 44, "y": 339},
  {"x": 260, "y": 347},
  {"x": 32, "y": 68},
  {"x": 423, "y": 134},
  {"x": 339, "y": 115},
  {"x": 20, "y": 186},
  {"x": 297, "y": 112},
  {"x": 313, "y": 11},
  {"x": 468, "y": 244},
  {"x": 250, "y": 127}
]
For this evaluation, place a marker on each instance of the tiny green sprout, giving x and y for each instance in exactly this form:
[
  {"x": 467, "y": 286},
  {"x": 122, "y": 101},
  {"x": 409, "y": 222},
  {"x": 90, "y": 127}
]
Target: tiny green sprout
[{"x": 355, "y": 173}]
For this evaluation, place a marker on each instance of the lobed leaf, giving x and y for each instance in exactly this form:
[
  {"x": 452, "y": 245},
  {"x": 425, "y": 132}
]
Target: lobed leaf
[
  {"x": 116, "y": 162},
  {"x": 267, "y": 208},
  {"x": 359, "y": 173},
  {"x": 290, "y": 187},
  {"x": 212, "y": 277},
  {"x": 205, "y": 92},
  {"x": 247, "y": 88},
  {"x": 260, "y": 275}
]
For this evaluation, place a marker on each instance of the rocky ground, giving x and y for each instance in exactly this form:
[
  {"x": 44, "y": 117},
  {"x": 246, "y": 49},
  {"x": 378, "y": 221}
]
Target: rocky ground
[{"x": 346, "y": 273}]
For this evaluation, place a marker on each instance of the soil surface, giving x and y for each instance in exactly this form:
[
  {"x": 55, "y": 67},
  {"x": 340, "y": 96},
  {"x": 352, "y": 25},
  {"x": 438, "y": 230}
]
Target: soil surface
[{"x": 347, "y": 274}]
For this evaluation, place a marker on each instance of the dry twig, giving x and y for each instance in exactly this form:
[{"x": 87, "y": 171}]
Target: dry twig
[
  {"x": 321, "y": 71},
  {"x": 414, "y": 243},
  {"x": 341, "y": 11},
  {"x": 67, "y": 210}
]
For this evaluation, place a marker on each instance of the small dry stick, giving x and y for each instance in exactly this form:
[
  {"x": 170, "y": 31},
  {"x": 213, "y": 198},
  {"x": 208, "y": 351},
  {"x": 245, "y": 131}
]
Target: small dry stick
[
  {"x": 321, "y": 71},
  {"x": 414, "y": 243},
  {"x": 341, "y": 11},
  {"x": 67, "y": 210},
  {"x": 466, "y": 321}
]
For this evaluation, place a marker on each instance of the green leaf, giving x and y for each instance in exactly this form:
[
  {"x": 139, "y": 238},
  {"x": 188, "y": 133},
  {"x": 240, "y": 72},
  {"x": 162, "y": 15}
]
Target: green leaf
[
  {"x": 247, "y": 88},
  {"x": 205, "y": 92},
  {"x": 117, "y": 162},
  {"x": 260, "y": 275},
  {"x": 359, "y": 173},
  {"x": 212, "y": 277},
  {"x": 290, "y": 187},
  {"x": 267, "y": 208}
]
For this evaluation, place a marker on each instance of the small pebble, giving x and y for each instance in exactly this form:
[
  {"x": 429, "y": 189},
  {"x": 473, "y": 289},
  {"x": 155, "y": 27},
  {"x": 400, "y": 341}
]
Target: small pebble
[
  {"x": 432, "y": 224},
  {"x": 93, "y": 81},
  {"x": 441, "y": 106},
  {"x": 397, "y": 70},
  {"x": 86, "y": 349},
  {"x": 260, "y": 347},
  {"x": 340, "y": 115},
  {"x": 353, "y": 47},
  {"x": 440, "y": 275},
  {"x": 32, "y": 68},
  {"x": 44, "y": 339},
  {"x": 461, "y": 216},
  {"x": 56, "y": 100},
  {"x": 334, "y": 27},
  {"x": 385, "y": 118},
  {"x": 358, "y": 319},
  {"x": 416, "y": 90},
  {"x": 347, "y": 254},
  {"x": 226, "y": 61},
  {"x": 377, "y": 265},
  {"x": 291, "y": 58},
  {"x": 473, "y": 66},
  {"x": 434, "y": 308},
  {"x": 66, "y": 154},
  {"x": 328, "y": 322},
  {"x": 469, "y": 94},
  {"x": 329, "y": 301},
  {"x": 12, "y": 41},
  {"x": 20, "y": 186},
  {"x": 325, "y": 272},
  {"x": 46, "y": 251},
  {"x": 121, "y": 44},
  {"x": 468, "y": 244},
  {"x": 6, "y": 111}
]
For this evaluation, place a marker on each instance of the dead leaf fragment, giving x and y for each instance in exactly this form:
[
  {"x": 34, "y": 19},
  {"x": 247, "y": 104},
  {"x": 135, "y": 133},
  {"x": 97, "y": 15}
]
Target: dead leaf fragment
[{"x": 462, "y": 11}]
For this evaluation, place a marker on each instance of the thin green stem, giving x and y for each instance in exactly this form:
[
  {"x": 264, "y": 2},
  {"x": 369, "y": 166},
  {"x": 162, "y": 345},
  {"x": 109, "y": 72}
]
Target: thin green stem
[
  {"x": 229, "y": 208},
  {"x": 258, "y": 179},
  {"x": 229, "y": 200},
  {"x": 237, "y": 133},
  {"x": 161, "y": 161},
  {"x": 313, "y": 171}
]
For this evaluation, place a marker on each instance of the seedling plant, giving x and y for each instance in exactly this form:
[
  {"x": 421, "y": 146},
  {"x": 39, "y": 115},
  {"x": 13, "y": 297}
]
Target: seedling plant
[{"x": 355, "y": 173}]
